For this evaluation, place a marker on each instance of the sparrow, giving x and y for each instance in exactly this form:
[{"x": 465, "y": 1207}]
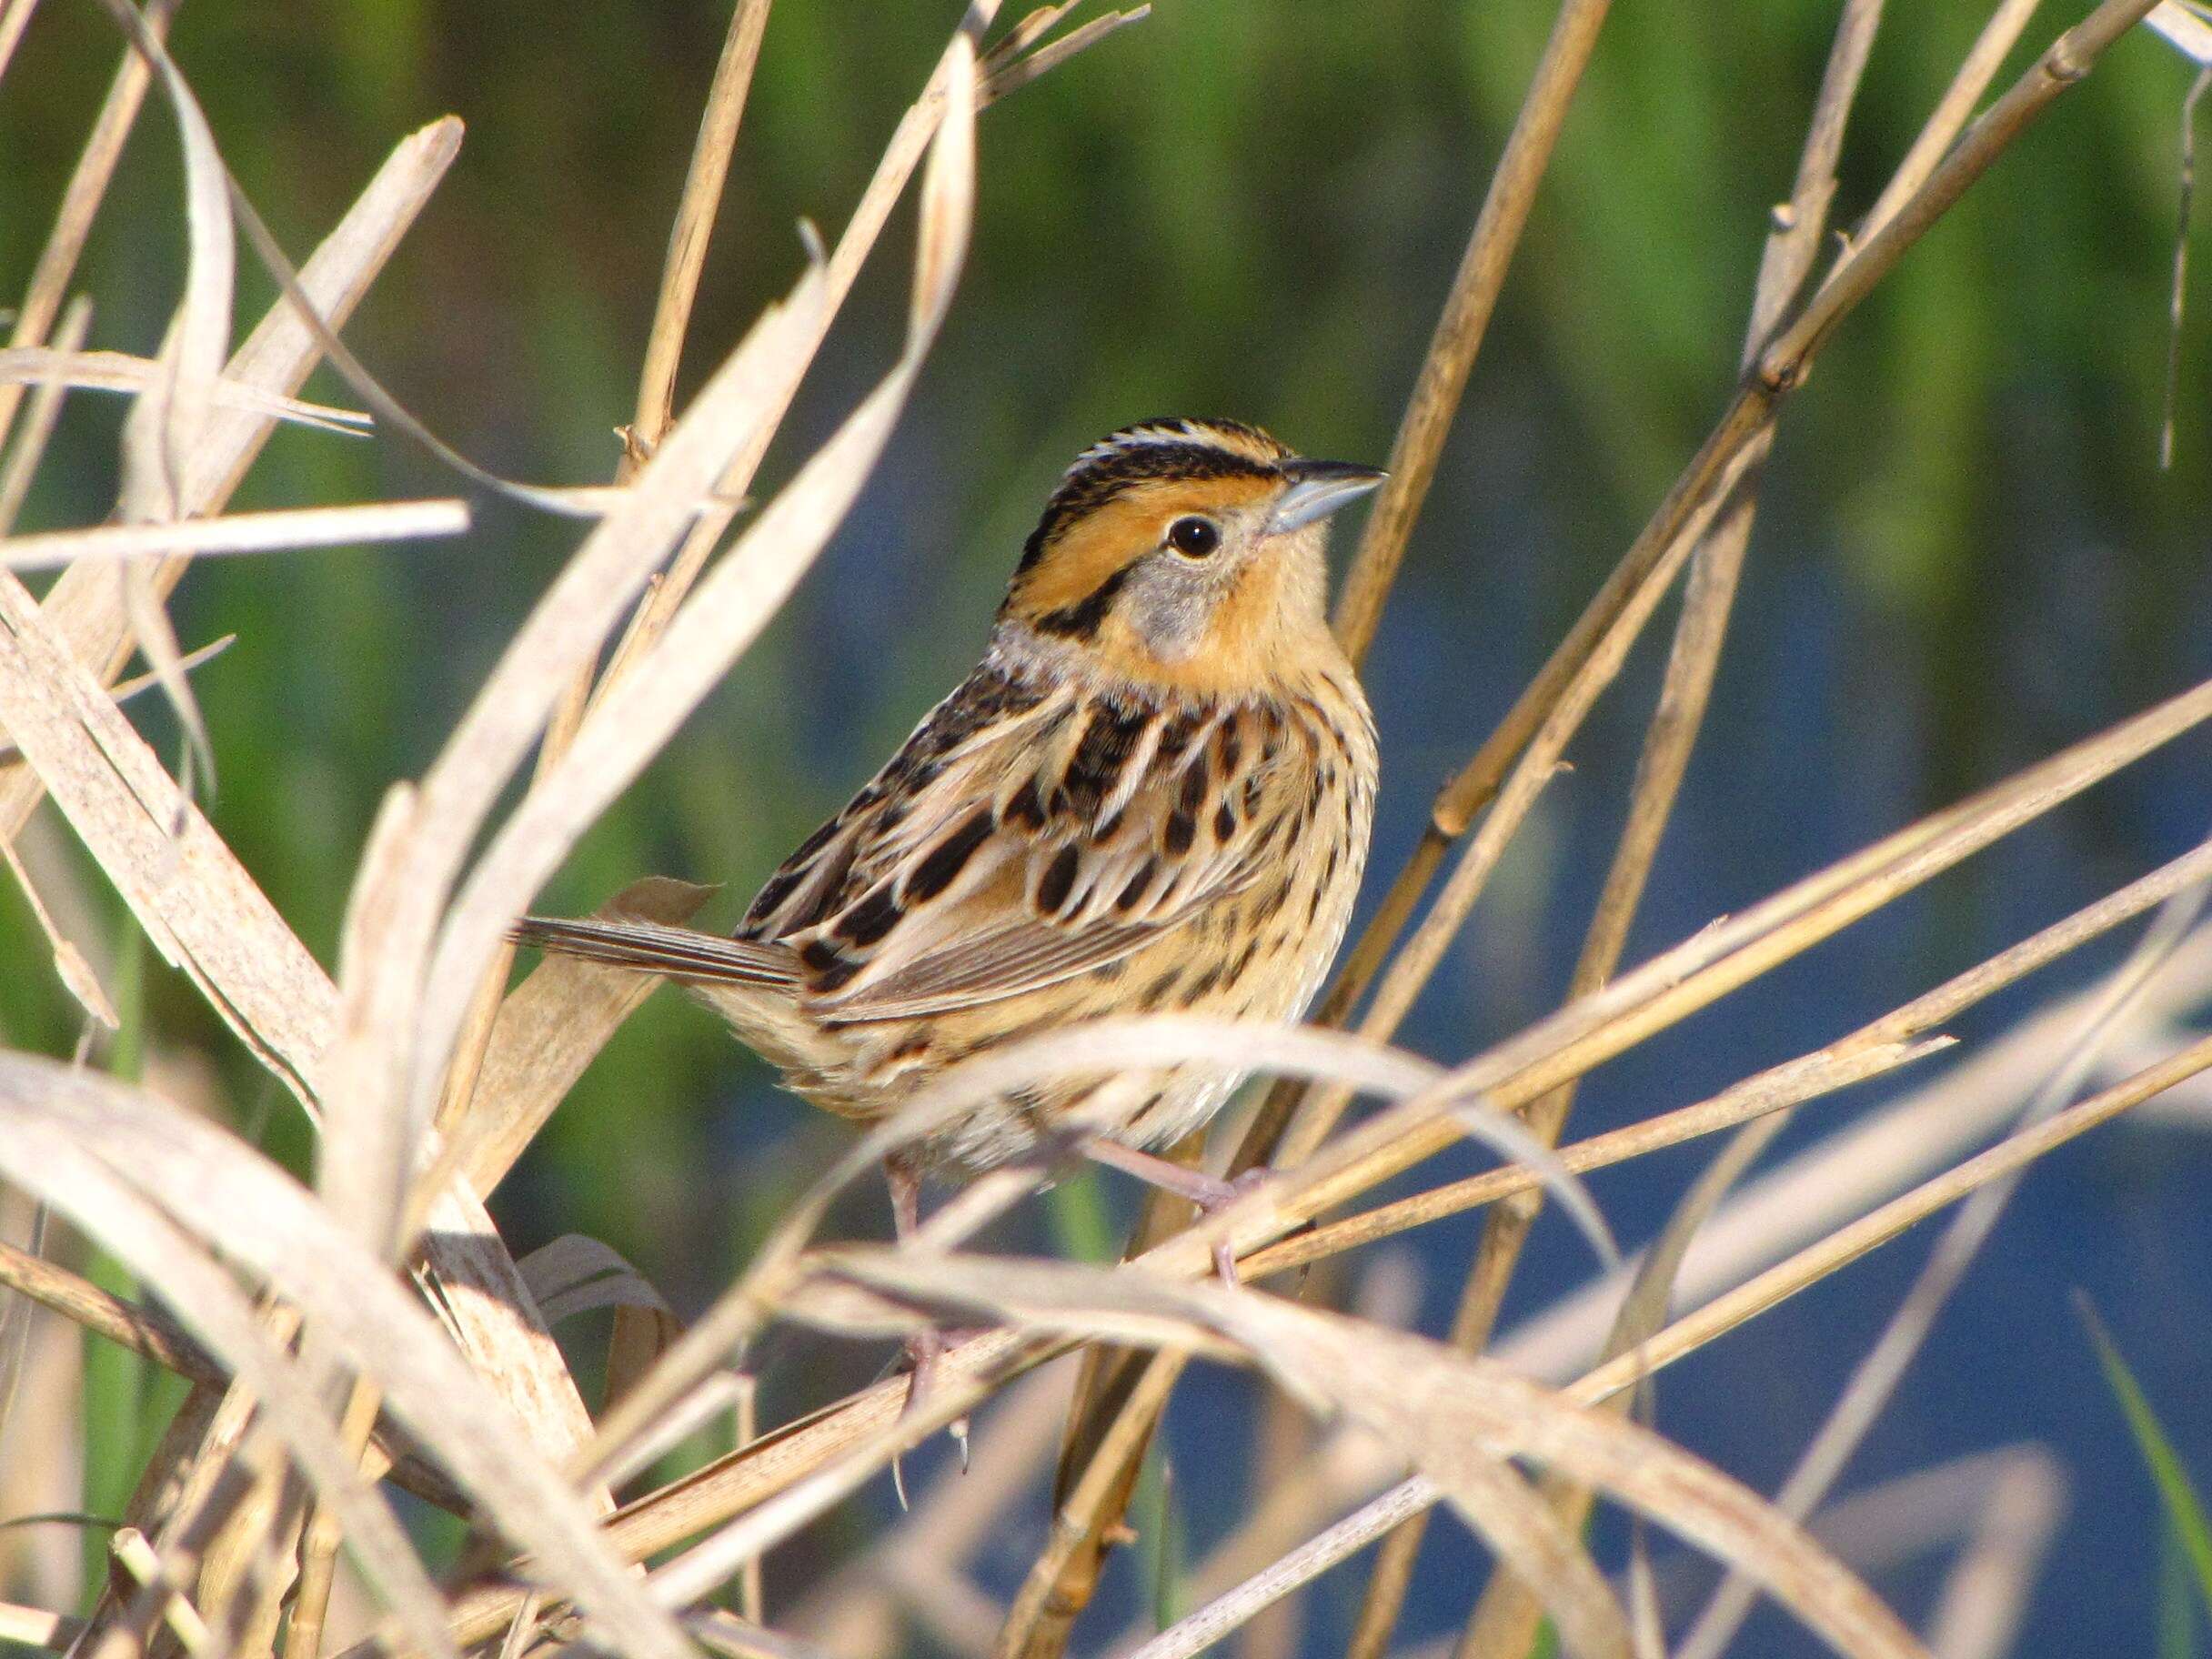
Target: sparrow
[{"x": 1153, "y": 794}]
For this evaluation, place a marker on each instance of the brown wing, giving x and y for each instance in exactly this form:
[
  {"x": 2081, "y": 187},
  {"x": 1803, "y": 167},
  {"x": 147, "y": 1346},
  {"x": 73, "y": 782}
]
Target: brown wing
[{"x": 1021, "y": 839}]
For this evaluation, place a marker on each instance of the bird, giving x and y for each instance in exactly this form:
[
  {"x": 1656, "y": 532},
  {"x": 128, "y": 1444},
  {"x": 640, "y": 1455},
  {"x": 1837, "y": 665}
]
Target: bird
[{"x": 1152, "y": 794}]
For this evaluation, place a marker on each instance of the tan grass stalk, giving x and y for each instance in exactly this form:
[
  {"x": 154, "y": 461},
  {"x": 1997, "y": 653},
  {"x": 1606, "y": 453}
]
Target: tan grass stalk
[
  {"x": 81, "y": 198},
  {"x": 125, "y": 689},
  {"x": 63, "y": 365},
  {"x": 1866, "y": 1162},
  {"x": 622, "y": 732},
  {"x": 146, "y": 1331},
  {"x": 1009, "y": 65},
  {"x": 152, "y": 1335},
  {"x": 1466, "y": 317},
  {"x": 1846, "y": 1245},
  {"x": 1504, "y": 1620},
  {"x": 695, "y": 213},
  {"x": 70, "y": 966},
  {"x": 549, "y": 1030},
  {"x": 167, "y": 419},
  {"x": 44, "y": 1160},
  {"x": 14, "y": 17},
  {"x": 34, "y": 1626},
  {"x": 29, "y": 448},
  {"x": 1693, "y": 974},
  {"x": 262, "y": 532},
  {"x": 2008, "y": 22},
  {"x": 199, "y": 906}
]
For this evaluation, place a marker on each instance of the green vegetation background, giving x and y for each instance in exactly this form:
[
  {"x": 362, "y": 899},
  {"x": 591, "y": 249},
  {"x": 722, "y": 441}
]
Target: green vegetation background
[{"x": 1235, "y": 207}]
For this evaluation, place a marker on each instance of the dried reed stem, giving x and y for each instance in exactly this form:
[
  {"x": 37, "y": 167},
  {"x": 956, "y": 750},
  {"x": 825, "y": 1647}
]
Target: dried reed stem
[
  {"x": 1504, "y": 1620},
  {"x": 1465, "y": 318}
]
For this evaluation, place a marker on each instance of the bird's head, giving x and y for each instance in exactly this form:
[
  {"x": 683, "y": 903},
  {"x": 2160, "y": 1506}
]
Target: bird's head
[{"x": 1186, "y": 552}]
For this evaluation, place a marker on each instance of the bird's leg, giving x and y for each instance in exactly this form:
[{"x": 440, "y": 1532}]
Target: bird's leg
[
  {"x": 924, "y": 1347},
  {"x": 1209, "y": 1193}
]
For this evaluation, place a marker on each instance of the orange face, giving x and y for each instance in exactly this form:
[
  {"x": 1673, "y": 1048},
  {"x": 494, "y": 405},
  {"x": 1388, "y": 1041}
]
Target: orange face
[{"x": 1187, "y": 554}]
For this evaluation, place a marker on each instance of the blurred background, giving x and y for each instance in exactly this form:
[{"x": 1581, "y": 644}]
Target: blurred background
[{"x": 1967, "y": 557}]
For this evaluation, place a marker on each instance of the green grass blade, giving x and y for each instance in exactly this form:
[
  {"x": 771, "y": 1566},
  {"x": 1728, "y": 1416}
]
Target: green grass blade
[
  {"x": 2175, "y": 1624},
  {"x": 2184, "y": 1510}
]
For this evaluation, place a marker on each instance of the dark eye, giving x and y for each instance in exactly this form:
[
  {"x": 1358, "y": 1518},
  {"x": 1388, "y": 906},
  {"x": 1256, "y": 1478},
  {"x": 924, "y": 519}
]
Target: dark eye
[{"x": 1194, "y": 538}]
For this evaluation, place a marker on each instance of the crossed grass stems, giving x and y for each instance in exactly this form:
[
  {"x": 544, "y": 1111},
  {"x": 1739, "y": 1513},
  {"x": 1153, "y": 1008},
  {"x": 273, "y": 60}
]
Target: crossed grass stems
[{"x": 424, "y": 1097}]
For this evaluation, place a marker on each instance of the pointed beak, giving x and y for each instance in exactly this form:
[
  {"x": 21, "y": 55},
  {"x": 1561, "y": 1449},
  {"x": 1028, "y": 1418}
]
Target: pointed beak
[{"x": 1317, "y": 490}]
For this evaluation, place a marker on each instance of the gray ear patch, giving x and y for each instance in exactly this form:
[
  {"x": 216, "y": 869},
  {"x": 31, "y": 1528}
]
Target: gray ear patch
[{"x": 1168, "y": 604}]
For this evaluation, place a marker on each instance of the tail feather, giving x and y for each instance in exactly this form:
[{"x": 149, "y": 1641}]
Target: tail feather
[{"x": 652, "y": 946}]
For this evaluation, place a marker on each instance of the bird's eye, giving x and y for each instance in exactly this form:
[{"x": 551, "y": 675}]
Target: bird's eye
[{"x": 1194, "y": 538}]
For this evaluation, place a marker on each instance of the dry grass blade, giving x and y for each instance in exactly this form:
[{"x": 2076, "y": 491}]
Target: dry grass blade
[
  {"x": 574, "y": 1274},
  {"x": 569, "y": 622},
  {"x": 265, "y": 532},
  {"x": 2008, "y": 22},
  {"x": 152, "y": 1335},
  {"x": 1846, "y": 1245},
  {"x": 367, "y": 1144},
  {"x": 1466, "y": 316},
  {"x": 1775, "y": 1090},
  {"x": 70, "y": 966},
  {"x": 123, "y": 690},
  {"x": 908, "y": 144},
  {"x": 703, "y": 194},
  {"x": 84, "y": 606},
  {"x": 739, "y": 1312},
  {"x": 203, "y": 910},
  {"x": 14, "y": 17},
  {"x": 29, "y": 448},
  {"x": 63, "y": 365},
  {"x": 1200, "y": 1630},
  {"x": 196, "y": 902},
  {"x": 1879, "y": 1371},
  {"x": 1058, "y": 1586},
  {"x": 2066, "y": 63},
  {"x": 1415, "y": 964},
  {"x": 259, "y": 1217},
  {"x": 1012, "y": 65},
  {"x": 34, "y": 1626},
  {"x": 41, "y": 301},
  {"x": 167, "y": 419},
  {"x": 1891, "y": 1040},
  {"x": 1698, "y": 971},
  {"x": 1438, "y": 1408},
  {"x": 42, "y": 1156},
  {"x": 2002, "y": 1507},
  {"x": 549, "y": 1030},
  {"x": 639, "y": 714},
  {"x": 146, "y": 1331}
]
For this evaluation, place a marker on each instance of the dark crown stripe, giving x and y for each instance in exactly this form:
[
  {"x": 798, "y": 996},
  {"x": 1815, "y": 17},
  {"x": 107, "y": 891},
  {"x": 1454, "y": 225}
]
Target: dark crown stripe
[{"x": 1112, "y": 467}]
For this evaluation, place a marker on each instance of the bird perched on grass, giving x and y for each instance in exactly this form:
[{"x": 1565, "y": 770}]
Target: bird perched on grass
[{"x": 1153, "y": 795}]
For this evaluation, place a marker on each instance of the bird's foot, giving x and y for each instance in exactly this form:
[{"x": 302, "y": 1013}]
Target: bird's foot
[
  {"x": 1210, "y": 1194},
  {"x": 923, "y": 1350}
]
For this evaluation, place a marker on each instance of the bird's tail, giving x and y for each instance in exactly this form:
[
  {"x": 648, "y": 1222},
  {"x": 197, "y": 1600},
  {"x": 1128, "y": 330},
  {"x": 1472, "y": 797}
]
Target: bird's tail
[{"x": 653, "y": 947}]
